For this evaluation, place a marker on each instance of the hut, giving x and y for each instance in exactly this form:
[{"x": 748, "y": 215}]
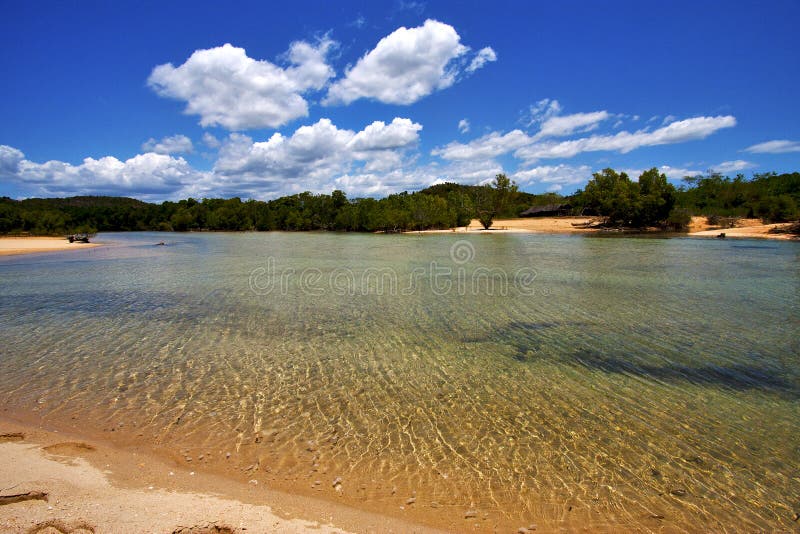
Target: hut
[{"x": 547, "y": 210}]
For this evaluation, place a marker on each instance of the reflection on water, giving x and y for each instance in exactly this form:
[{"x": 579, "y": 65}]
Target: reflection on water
[{"x": 627, "y": 383}]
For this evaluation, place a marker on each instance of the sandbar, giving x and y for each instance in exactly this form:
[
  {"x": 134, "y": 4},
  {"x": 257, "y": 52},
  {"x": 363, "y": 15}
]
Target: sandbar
[{"x": 28, "y": 245}]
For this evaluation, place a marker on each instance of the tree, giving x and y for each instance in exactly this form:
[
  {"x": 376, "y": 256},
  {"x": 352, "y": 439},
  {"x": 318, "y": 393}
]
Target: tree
[
  {"x": 613, "y": 195},
  {"x": 657, "y": 197},
  {"x": 491, "y": 200}
]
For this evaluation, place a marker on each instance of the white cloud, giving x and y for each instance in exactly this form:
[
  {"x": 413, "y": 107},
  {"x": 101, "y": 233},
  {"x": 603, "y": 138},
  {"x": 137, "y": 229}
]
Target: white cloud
[
  {"x": 175, "y": 144},
  {"x": 488, "y": 146},
  {"x": 732, "y": 166},
  {"x": 624, "y": 142},
  {"x": 380, "y": 136},
  {"x": 668, "y": 119},
  {"x": 226, "y": 87},
  {"x": 10, "y": 158},
  {"x": 313, "y": 158},
  {"x": 554, "y": 174},
  {"x": 405, "y": 66},
  {"x": 463, "y": 126},
  {"x": 541, "y": 111},
  {"x": 147, "y": 175},
  {"x": 211, "y": 141},
  {"x": 529, "y": 149},
  {"x": 779, "y": 146},
  {"x": 561, "y": 126},
  {"x": 484, "y": 56}
]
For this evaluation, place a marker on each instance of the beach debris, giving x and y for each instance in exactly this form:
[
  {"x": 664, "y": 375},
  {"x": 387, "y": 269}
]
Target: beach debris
[
  {"x": 411, "y": 500},
  {"x": 337, "y": 483},
  {"x": 21, "y": 497},
  {"x": 227, "y": 455},
  {"x": 434, "y": 504},
  {"x": 470, "y": 514},
  {"x": 678, "y": 492},
  {"x": 209, "y": 528},
  {"x": 253, "y": 481}
]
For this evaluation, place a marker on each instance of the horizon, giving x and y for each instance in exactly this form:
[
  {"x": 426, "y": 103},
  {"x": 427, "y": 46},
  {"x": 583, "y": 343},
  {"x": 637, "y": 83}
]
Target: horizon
[{"x": 373, "y": 100}]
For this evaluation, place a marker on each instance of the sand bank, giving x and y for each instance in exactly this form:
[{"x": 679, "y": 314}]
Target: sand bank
[
  {"x": 28, "y": 245},
  {"x": 542, "y": 225},
  {"x": 746, "y": 228},
  {"x": 49, "y": 480}
]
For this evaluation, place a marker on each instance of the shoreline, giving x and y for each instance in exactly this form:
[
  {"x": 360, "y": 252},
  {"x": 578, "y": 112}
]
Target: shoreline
[
  {"x": 748, "y": 229},
  {"x": 12, "y": 246},
  {"x": 54, "y": 478}
]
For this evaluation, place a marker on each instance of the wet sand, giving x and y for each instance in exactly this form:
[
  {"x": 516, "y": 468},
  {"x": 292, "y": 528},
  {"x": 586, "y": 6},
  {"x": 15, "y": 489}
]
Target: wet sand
[
  {"x": 55, "y": 482},
  {"x": 28, "y": 245}
]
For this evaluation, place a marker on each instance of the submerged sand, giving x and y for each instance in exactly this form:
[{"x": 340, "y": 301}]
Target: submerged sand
[
  {"x": 27, "y": 245},
  {"x": 50, "y": 482}
]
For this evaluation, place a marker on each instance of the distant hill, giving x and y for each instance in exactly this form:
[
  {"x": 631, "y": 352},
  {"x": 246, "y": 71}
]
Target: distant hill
[{"x": 79, "y": 202}]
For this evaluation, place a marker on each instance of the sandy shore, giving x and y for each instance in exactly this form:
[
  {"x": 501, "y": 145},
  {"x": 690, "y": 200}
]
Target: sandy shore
[
  {"x": 28, "y": 245},
  {"x": 543, "y": 225},
  {"x": 746, "y": 228},
  {"x": 55, "y": 483}
]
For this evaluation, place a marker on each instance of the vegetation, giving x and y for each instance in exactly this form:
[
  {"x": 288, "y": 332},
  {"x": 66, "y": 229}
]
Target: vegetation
[{"x": 649, "y": 201}]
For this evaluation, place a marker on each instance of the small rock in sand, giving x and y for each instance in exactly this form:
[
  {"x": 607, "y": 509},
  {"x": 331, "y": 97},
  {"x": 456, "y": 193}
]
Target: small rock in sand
[
  {"x": 469, "y": 514},
  {"x": 337, "y": 482},
  {"x": 411, "y": 500}
]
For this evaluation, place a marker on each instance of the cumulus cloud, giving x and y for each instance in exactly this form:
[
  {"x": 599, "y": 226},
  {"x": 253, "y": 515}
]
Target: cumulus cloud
[
  {"x": 210, "y": 141},
  {"x": 175, "y": 144},
  {"x": 147, "y": 175},
  {"x": 779, "y": 146},
  {"x": 406, "y": 65},
  {"x": 485, "y": 55},
  {"x": 313, "y": 157},
  {"x": 10, "y": 158},
  {"x": 463, "y": 126},
  {"x": 225, "y": 87}
]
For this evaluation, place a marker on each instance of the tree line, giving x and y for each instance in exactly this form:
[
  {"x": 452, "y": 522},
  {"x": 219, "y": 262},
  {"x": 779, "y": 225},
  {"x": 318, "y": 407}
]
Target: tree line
[{"x": 649, "y": 201}]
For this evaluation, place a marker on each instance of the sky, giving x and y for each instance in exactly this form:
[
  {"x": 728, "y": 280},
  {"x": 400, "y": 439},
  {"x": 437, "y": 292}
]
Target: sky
[{"x": 170, "y": 100}]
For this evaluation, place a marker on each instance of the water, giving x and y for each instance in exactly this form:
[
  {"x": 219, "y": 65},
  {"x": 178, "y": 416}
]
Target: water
[{"x": 610, "y": 384}]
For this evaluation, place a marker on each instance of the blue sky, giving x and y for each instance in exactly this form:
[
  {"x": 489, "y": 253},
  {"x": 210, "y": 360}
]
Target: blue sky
[{"x": 165, "y": 100}]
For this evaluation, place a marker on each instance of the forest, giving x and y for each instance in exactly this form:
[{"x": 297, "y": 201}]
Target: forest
[{"x": 649, "y": 201}]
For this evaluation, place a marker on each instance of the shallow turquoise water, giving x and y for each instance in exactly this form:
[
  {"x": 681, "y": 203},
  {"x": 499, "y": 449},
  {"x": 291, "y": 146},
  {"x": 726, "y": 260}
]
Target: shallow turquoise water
[{"x": 643, "y": 383}]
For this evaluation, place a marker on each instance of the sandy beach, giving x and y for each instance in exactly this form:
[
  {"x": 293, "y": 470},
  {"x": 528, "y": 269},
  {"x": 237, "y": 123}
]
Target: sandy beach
[
  {"x": 745, "y": 228},
  {"x": 28, "y": 245},
  {"x": 52, "y": 482}
]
